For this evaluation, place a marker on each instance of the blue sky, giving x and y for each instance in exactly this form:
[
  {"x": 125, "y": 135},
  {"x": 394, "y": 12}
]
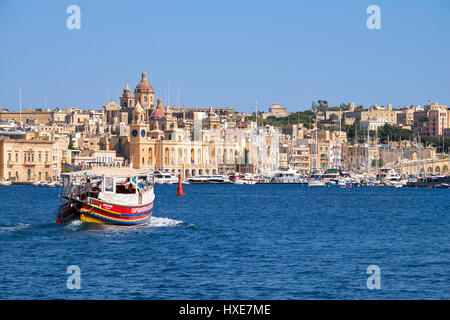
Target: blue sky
[{"x": 226, "y": 53}]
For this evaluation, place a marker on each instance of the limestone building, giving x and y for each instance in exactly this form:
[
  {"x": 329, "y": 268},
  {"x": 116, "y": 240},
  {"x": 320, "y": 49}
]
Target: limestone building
[{"x": 25, "y": 160}]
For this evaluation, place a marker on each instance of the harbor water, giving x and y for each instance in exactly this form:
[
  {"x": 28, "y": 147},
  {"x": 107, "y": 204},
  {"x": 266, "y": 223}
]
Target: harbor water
[{"x": 234, "y": 242}]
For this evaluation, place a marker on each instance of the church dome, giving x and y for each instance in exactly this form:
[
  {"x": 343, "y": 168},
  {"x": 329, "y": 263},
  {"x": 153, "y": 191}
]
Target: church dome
[
  {"x": 157, "y": 113},
  {"x": 144, "y": 84}
]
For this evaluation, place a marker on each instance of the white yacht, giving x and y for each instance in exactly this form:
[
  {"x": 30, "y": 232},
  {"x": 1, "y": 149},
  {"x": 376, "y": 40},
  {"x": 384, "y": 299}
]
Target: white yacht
[
  {"x": 388, "y": 174},
  {"x": 218, "y": 179},
  {"x": 316, "y": 183},
  {"x": 164, "y": 177},
  {"x": 198, "y": 180},
  {"x": 247, "y": 179},
  {"x": 287, "y": 176}
]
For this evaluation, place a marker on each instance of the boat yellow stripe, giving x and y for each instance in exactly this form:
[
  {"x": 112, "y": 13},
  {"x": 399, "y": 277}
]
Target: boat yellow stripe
[{"x": 99, "y": 215}]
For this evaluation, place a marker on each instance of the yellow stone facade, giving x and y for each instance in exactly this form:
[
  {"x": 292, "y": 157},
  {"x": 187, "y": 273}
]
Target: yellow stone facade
[{"x": 26, "y": 160}]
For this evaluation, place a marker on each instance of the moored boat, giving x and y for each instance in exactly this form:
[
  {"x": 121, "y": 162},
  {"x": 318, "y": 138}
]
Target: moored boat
[
  {"x": 316, "y": 183},
  {"x": 5, "y": 183},
  {"x": 164, "y": 177},
  {"x": 108, "y": 196},
  {"x": 217, "y": 179},
  {"x": 198, "y": 180}
]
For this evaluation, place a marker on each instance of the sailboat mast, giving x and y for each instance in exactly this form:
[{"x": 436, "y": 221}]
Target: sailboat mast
[
  {"x": 368, "y": 152},
  {"x": 20, "y": 105},
  {"x": 356, "y": 147},
  {"x": 317, "y": 145},
  {"x": 339, "y": 138},
  {"x": 377, "y": 154}
]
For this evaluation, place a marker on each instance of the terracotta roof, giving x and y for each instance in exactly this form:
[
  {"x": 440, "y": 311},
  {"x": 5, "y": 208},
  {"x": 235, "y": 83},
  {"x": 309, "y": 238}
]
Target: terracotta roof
[
  {"x": 144, "y": 84},
  {"x": 157, "y": 113}
]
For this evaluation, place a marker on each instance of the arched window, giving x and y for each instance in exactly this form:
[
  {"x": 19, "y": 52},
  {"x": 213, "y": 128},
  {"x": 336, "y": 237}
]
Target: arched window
[
  {"x": 219, "y": 156},
  {"x": 150, "y": 156},
  {"x": 192, "y": 157},
  {"x": 166, "y": 156}
]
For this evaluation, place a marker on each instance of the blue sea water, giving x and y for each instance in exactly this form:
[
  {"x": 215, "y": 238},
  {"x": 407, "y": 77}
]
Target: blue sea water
[{"x": 234, "y": 242}]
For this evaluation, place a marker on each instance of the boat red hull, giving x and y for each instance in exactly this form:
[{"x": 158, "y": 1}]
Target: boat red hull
[{"x": 98, "y": 211}]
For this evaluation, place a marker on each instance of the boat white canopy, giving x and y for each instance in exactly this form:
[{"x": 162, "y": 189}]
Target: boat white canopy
[{"x": 108, "y": 172}]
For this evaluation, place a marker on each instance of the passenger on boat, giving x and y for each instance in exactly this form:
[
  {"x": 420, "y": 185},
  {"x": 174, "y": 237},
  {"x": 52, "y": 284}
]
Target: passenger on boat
[{"x": 88, "y": 188}]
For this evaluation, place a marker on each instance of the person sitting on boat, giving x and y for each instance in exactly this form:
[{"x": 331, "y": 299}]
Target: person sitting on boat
[
  {"x": 130, "y": 188},
  {"x": 88, "y": 188}
]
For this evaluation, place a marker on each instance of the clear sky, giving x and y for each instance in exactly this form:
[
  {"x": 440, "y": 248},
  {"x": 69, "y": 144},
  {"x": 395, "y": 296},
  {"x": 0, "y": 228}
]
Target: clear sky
[{"x": 225, "y": 53}]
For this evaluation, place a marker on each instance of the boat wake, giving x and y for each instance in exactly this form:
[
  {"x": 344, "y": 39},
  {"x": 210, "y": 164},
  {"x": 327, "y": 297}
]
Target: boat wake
[
  {"x": 163, "y": 222},
  {"x": 14, "y": 228},
  {"x": 77, "y": 225},
  {"x": 155, "y": 222}
]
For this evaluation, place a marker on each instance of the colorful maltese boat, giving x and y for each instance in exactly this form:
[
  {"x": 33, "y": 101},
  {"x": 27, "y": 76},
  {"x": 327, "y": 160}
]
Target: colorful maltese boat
[{"x": 107, "y": 195}]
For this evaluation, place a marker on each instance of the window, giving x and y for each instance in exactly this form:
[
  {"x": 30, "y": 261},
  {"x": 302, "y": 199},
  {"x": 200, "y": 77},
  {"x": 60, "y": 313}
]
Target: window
[
  {"x": 9, "y": 156},
  {"x": 17, "y": 157},
  {"x": 28, "y": 174},
  {"x": 109, "y": 184},
  {"x": 39, "y": 157}
]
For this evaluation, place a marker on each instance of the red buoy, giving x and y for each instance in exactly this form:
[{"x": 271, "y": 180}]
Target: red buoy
[{"x": 180, "y": 187}]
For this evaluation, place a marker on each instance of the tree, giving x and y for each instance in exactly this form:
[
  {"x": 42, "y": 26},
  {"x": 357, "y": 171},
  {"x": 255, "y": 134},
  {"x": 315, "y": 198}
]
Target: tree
[
  {"x": 322, "y": 105},
  {"x": 333, "y": 117}
]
